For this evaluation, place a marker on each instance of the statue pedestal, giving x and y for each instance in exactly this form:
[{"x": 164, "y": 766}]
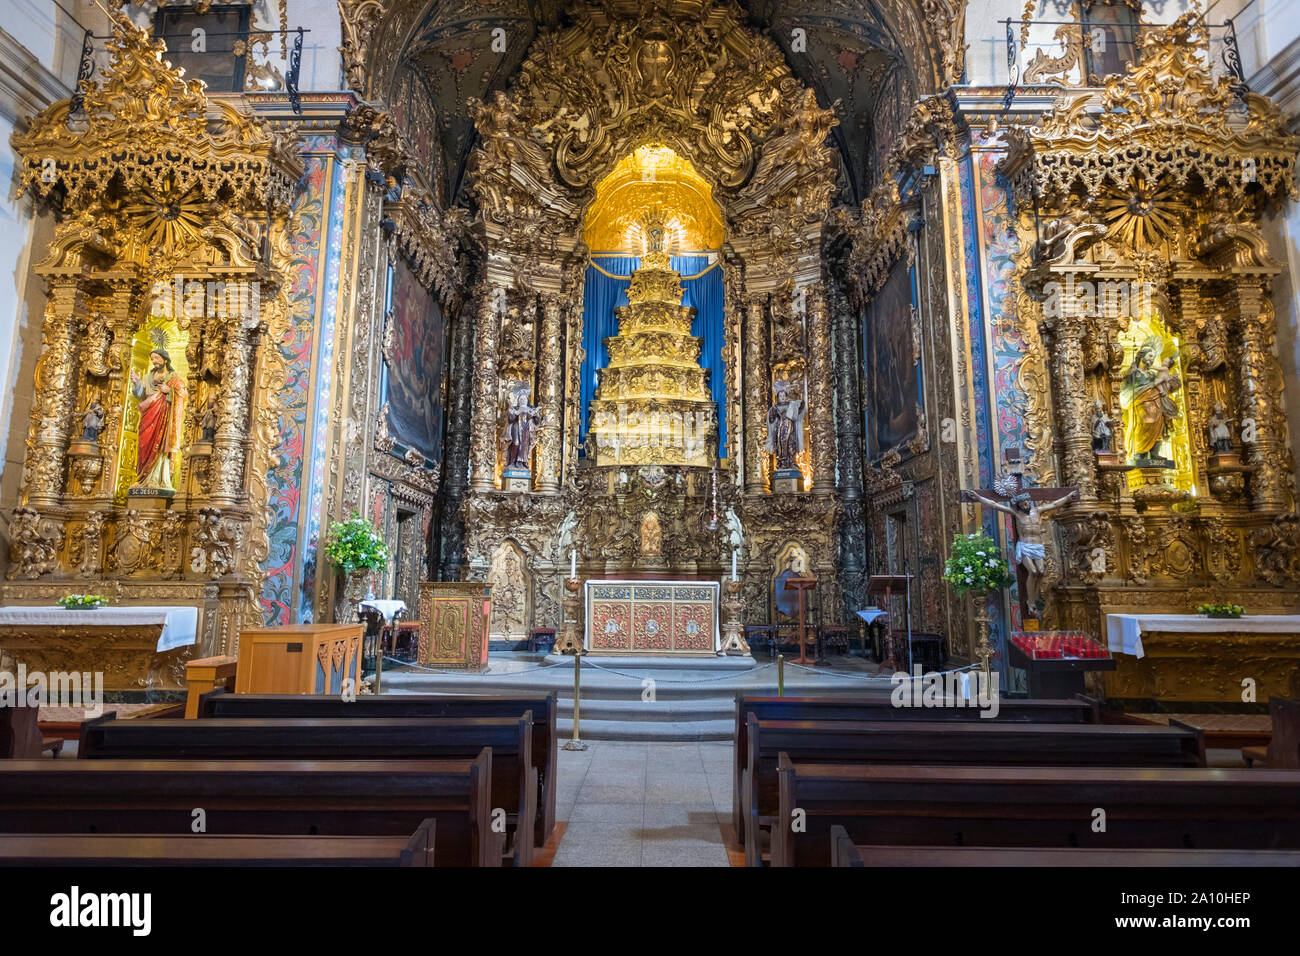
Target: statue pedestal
[
  {"x": 787, "y": 481},
  {"x": 149, "y": 499},
  {"x": 516, "y": 480}
]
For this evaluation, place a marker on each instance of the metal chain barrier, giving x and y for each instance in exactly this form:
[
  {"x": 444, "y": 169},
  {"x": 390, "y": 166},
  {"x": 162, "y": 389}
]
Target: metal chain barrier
[{"x": 664, "y": 680}]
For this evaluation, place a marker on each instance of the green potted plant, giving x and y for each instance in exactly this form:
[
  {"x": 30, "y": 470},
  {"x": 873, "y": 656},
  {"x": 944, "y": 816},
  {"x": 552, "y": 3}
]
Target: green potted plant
[
  {"x": 356, "y": 550},
  {"x": 976, "y": 565}
]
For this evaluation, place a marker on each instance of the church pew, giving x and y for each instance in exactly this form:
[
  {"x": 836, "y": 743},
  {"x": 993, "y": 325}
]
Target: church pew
[
  {"x": 1079, "y": 710},
  {"x": 514, "y": 780},
  {"x": 219, "y": 703},
  {"x": 982, "y": 743},
  {"x": 20, "y": 735},
  {"x": 1048, "y": 807},
  {"x": 844, "y": 852},
  {"x": 1283, "y": 750},
  {"x": 201, "y": 849},
  {"x": 250, "y": 797}
]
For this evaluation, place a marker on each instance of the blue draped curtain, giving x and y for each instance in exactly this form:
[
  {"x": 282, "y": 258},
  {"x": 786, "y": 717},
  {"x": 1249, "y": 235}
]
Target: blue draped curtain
[{"x": 603, "y": 294}]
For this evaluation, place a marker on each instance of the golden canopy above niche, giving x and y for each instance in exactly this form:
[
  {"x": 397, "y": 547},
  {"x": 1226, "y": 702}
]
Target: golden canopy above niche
[{"x": 653, "y": 177}]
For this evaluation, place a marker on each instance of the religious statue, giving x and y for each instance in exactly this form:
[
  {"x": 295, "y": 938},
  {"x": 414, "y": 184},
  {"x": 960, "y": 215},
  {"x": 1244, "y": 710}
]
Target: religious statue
[
  {"x": 208, "y": 424},
  {"x": 1146, "y": 397},
  {"x": 1103, "y": 432},
  {"x": 162, "y": 411},
  {"x": 1220, "y": 434},
  {"x": 521, "y": 426},
  {"x": 92, "y": 422},
  {"x": 785, "y": 427},
  {"x": 1031, "y": 552},
  {"x": 652, "y": 539}
]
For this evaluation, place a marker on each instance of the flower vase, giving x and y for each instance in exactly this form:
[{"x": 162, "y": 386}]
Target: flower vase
[{"x": 355, "y": 586}]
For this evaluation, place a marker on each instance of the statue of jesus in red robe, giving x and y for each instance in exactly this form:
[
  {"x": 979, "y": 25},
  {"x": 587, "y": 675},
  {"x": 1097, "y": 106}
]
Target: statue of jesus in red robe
[{"x": 162, "y": 411}]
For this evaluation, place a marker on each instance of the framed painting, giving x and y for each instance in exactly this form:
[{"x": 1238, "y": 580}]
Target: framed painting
[
  {"x": 891, "y": 368},
  {"x": 414, "y": 365}
]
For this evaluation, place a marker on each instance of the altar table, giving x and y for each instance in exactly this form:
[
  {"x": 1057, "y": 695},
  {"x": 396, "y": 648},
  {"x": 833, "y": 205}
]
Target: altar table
[
  {"x": 651, "y": 617},
  {"x": 135, "y": 647},
  {"x": 1192, "y": 657}
]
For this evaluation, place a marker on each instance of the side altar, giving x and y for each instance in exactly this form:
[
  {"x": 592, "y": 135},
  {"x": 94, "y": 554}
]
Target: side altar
[{"x": 651, "y": 617}]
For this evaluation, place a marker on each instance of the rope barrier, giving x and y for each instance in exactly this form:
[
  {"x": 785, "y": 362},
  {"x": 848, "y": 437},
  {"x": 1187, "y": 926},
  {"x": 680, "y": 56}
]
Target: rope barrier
[
  {"x": 956, "y": 670},
  {"x": 664, "y": 680}
]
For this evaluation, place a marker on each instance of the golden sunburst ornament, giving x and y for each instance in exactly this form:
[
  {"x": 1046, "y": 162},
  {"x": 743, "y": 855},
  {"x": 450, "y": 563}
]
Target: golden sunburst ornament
[
  {"x": 168, "y": 222},
  {"x": 1141, "y": 219}
]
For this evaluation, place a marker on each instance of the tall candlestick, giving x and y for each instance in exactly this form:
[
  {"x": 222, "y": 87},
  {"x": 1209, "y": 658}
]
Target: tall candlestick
[
  {"x": 733, "y": 564},
  {"x": 573, "y": 563}
]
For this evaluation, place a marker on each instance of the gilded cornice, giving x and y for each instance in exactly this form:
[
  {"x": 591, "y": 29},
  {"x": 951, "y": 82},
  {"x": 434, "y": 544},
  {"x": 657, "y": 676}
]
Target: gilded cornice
[
  {"x": 143, "y": 110},
  {"x": 1167, "y": 120}
]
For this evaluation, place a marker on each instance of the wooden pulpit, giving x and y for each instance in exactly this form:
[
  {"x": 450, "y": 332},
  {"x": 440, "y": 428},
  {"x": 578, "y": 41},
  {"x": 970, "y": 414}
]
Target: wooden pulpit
[{"x": 299, "y": 659}]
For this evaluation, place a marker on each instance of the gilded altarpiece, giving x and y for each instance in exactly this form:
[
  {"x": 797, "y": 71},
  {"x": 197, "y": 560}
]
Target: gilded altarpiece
[
  {"x": 723, "y": 100},
  {"x": 172, "y": 216},
  {"x": 1143, "y": 289}
]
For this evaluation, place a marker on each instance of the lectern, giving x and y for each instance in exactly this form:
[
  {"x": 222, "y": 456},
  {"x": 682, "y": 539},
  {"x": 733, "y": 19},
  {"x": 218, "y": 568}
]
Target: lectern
[
  {"x": 882, "y": 587},
  {"x": 802, "y": 586}
]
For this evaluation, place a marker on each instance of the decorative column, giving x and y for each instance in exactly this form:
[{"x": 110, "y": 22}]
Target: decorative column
[
  {"x": 483, "y": 426},
  {"x": 1258, "y": 397},
  {"x": 550, "y": 370},
  {"x": 456, "y": 467},
  {"x": 821, "y": 405},
  {"x": 1063, "y": 338},
  {"x": 52, "y": 410},
  {"x": 227, "y": 467},
  {"x": 853, "y": 535},
  {"x": 757, "y": 391}
]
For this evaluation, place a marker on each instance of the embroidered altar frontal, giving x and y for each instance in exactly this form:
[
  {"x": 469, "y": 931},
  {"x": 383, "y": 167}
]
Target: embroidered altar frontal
[{"x": 652, "y": 617}]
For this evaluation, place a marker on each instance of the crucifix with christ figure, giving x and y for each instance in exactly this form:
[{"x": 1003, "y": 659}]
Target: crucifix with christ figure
[{"x": 1028, "y": 508}]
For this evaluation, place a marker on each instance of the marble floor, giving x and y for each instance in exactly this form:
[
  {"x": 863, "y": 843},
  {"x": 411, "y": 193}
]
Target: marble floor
[{"x": 644, "y": 804}]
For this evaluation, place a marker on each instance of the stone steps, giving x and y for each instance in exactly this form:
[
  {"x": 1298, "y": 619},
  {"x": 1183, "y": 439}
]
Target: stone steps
[{"x": 691, "y": 699}]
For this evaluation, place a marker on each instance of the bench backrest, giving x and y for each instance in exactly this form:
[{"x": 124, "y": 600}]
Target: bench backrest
[
  {"x": 201, "y": 849},
  {"x": 336, "y": 797},
  {"x": 1079, "y": 710},
  {"x": 514, "y": 785},
  {"x": 897, "y": 805},
  {"x": 220, "y": 703},
  {"x": 20, "y": 736},
  {"x": 1284, "y": 745}
]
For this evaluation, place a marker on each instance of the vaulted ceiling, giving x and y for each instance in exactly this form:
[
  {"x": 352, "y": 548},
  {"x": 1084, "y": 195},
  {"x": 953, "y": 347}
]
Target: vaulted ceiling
[{"x": 847, "y": 52}]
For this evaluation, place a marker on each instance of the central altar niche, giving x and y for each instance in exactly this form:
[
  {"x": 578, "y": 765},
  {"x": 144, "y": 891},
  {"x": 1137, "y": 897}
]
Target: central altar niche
[{"x": 652, "y": 406}]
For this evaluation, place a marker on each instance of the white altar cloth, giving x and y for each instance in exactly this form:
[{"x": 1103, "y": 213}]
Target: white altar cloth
[
  {"x": 386, "y": 607},
  {"x": 1124, "y": 631},
  {"x": 179, "y": 624}
]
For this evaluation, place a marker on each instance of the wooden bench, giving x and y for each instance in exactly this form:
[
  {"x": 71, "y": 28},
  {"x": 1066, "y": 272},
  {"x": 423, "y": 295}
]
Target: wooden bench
[
  {"x": 200, "y": 849},
  {"x": 20, "y": 735},
  {"x": 1050, "y": 807},
  {"x": 1283, "y": 750},
  {"x": 249, "y": 797},
  {"x": 514, "y": 780},
  {"x": 982, "y": 743},
  {"x": 1081, "y": 710},
  {"x": 844, "y": 852},
  {"x": 543, "y": 706}
]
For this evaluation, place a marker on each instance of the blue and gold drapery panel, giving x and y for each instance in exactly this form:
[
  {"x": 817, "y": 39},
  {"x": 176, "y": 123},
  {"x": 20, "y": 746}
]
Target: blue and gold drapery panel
[{"x": 606, "y": 289}]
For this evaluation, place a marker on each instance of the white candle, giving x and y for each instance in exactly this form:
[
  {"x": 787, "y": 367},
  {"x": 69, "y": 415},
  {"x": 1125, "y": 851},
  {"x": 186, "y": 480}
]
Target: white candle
[
  {"x": 733, "y": 564},
  {"x": 573, "y": 563}
]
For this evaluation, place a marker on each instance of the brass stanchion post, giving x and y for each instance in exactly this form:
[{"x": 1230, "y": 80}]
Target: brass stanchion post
[
  {"x": 780, "y": 675},
  {"x": 571, "y": 643}
]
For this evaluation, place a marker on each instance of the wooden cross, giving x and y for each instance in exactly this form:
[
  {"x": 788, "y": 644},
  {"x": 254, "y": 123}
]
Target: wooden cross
[{"x": 1004, "y": 489}]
